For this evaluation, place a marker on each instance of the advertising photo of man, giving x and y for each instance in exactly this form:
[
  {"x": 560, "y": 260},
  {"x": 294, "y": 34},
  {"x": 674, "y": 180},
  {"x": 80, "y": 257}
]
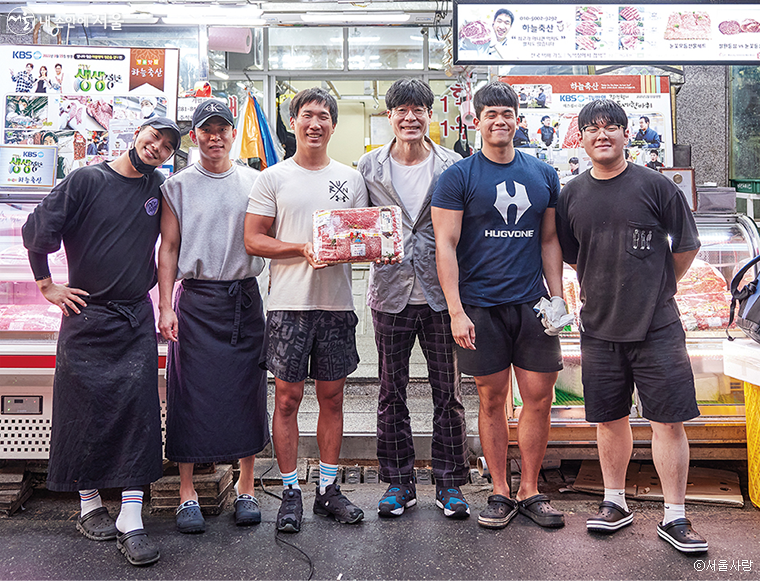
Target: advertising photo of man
[
  {"x": 496, "y": 243},
  {"x": 631, "y": 236},
  {"x": 521, "y": 138},
  {"x": 647, "y": 134},
  {"x": 407, "y": 303},
  {"x": 24, "y": 79},
  {"x": 106, "y": 425},
  {"x": 546, "y": 132},
  {"x": 654, "y": 160},
  {"x": 502, "y": 23}
]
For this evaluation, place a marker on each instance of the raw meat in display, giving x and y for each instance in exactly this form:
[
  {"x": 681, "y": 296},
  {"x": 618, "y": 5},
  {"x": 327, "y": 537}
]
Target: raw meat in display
[
  {"x": 80, "y": 146},
  {"x": 44, "y": 317},
  {"x": 587, "y": 29},
  {"x": 585, "y": 42},
  {"x": 629, "y": 13},
  {"x": 630, "y": 29},
  {"x": 588, "y": 13},
  {"x": 572, "y": 135},
  {"x": 476, "y": 32},
  {"x": 101, "y": 111},
  {"x": 730, "y": 27},
  {"x": 358, "y": 234},
  {"x": 703, "y": 298},
  {"x": 750, "y": 25},
  {"x": 688, "y": 26}
]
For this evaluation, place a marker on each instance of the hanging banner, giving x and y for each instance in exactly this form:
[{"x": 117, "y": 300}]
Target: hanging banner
[
  {"x": 549, "y": 107},
  {"x": 86, "y": 101},
  {"x": 576, "y": 33}
]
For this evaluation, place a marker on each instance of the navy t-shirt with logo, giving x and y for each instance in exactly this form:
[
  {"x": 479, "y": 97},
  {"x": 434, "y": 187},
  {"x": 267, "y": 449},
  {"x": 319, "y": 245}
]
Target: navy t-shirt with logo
[
  {"x": 109, "y": 225},
  {"x": 621, "y": 233},
  {"x": 499, "y": 250}
]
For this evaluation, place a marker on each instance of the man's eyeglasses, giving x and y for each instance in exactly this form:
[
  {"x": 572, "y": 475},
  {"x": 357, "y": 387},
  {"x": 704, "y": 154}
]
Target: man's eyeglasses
[
  {"x": 608, "y": 129},
  {"x": 404, "y": 111}
]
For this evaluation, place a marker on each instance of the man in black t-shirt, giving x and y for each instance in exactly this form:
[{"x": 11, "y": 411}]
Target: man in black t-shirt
[
  {"x": 614, "y": 224},
  {"x": 106, "y": 428},
  {"x": 654, "y": 160}
]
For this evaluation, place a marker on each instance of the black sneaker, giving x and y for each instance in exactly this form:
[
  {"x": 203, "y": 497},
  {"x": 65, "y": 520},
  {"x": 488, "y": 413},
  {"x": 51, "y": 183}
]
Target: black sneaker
[
  {"x": 291, "y": 511},
  {"x": 609, "y": 519},
  {"x": 452, "y": 501},
  {"x": 396, "y": 499},
  {"x": 334, "y": 503},
  {"x": 498, "y": 513},
  {"x": 684, "y": 538}
]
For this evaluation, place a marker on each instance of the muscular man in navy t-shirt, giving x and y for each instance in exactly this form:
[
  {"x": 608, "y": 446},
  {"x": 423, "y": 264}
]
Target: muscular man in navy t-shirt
[{"x": 496, "y": 242}]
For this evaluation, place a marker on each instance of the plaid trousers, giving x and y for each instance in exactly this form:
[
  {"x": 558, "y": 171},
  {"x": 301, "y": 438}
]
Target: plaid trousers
[{"x": 394, "y": 336}]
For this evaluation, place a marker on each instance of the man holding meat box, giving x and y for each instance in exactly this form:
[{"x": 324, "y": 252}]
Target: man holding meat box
[
  {"x": 311, "y": 322},
  {"x": 407, "y": 302},
  {"x": 631, "y": 236},
  {"x": 496, "y": 241},
  {"x": 106, "y": 429}
]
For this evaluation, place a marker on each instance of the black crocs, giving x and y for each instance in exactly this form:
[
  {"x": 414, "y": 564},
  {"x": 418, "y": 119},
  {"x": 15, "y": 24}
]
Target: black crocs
[
  {"x": 538, "y": 509},
  {"x": 137, "y": 547},
  {"x": 97, "y": 525}
]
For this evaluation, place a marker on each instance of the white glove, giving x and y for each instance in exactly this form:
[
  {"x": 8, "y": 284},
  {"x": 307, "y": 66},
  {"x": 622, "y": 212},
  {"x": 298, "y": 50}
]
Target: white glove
[{"x": 553, "y": 314}]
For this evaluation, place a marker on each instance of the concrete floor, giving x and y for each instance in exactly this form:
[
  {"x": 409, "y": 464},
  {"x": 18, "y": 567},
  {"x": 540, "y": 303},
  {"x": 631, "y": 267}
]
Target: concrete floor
[{"x": 42, "y": 543}]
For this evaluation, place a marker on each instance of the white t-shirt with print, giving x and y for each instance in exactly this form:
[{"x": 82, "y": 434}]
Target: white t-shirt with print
[{"x": 291, "y": 194}]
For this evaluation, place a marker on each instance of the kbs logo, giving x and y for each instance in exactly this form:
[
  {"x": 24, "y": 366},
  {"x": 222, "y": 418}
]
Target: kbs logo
[{"x": 22, "y": 54}]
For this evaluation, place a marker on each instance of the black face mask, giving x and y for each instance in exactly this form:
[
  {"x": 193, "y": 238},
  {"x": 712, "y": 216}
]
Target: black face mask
[{"x": 138, "y": 164}]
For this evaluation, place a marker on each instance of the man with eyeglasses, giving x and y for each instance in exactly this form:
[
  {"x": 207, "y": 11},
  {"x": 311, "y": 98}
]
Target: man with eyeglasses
[
  {"x": 407, "y": 302},
  {"x": 496, "y": 242},
  {"x": 629, "y": 233}
]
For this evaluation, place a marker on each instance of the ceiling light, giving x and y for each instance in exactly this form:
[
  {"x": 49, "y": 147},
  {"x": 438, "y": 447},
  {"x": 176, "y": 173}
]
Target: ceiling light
[{"x": 354, "y": 18}]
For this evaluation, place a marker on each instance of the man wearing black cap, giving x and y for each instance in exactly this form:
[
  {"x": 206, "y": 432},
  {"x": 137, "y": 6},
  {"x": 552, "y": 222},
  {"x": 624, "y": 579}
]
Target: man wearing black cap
[
  {"x": 216, "y": 390},
  {"x": 106, "y": 429}
]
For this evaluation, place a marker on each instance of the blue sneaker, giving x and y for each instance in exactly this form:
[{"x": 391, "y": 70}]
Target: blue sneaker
[
  {"x": 452, "y": 501},
  {"x": 396, "y": 499}
]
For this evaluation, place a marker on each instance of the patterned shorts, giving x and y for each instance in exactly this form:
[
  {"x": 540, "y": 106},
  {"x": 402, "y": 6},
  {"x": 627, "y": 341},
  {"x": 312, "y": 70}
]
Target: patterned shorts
[{"x": 316, "y": 344}]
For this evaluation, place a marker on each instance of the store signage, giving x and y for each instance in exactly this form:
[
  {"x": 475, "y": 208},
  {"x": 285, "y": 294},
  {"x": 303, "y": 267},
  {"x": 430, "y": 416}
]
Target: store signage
[
  {"x": 27, "y": 166},
  {"x": 86, "y": 100},
  {"x": 576, "y": 33},
  {"x": 550, "y": 107}
]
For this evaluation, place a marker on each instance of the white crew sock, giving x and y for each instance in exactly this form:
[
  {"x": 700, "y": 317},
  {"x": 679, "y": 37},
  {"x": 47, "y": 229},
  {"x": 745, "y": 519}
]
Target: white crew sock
[
  {"x": 616, "y": 496},
  {"x": 89, "y": 500},
  {"x": 130, "y": 516},
  {"x": 291, "y": 479},
  {"x": 673, "y": 512},
  {"x": 327, "y": 475}
]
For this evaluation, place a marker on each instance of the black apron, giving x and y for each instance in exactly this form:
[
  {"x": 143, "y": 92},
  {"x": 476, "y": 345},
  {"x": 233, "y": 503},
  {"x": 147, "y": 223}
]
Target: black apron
[
  {"x": 106, "y": 427},
  {"x": 216, "y": 393}
]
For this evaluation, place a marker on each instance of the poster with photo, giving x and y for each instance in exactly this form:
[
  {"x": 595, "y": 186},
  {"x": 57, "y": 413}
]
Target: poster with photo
[
  {"x": 76, "y": 93},
  {"x": 551, "y": 132}
]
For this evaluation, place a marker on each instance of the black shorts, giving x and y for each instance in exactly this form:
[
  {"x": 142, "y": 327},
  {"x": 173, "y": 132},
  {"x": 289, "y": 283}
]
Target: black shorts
[
  {"x": 316, "y": 344},
  {"x": 509, "y": 335},
  {"x": 659, "y": 366}
]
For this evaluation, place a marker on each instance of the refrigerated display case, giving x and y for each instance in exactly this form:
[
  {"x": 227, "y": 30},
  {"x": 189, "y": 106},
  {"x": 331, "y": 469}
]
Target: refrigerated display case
[
  {"x": 728, "y": 242},
  {"x": 28, "y": 333}
]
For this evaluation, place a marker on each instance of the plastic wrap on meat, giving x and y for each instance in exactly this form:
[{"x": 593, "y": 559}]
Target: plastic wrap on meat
[
  {"x": 688, "y": 26},
  {"x": 358, "y": 234},
  {"x": 44, "y": 317},
  {"x": 703, "y": 298}
]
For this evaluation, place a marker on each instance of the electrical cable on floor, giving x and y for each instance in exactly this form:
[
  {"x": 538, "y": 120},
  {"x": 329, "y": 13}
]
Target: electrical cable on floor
[{"x": 278, "y": 538}]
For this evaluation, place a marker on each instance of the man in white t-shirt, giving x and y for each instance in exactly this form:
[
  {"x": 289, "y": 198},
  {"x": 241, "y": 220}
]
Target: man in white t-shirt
[
  {"x": 311, "y": 322},
  {"x": 407, "y": 302}
]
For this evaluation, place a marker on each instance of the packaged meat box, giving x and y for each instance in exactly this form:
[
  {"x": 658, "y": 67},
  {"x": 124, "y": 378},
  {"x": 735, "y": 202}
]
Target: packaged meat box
[{"x": 358, "y": 234}]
